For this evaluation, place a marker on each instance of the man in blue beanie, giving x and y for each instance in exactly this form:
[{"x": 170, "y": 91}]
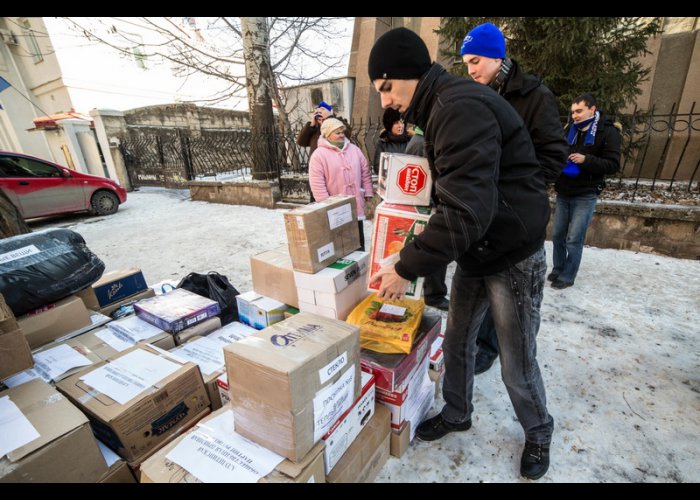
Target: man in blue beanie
[
  {"x": 484, "y": 53},
  {"x": 491, "y": 218}
]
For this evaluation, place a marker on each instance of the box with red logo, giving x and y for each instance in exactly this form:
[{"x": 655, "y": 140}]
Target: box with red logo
[
  {"x": 404, "y": 179},
  {"x": 394, "y": 227}
]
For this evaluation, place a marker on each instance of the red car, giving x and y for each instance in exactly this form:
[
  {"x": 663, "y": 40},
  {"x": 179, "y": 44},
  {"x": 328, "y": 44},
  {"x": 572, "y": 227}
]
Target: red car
[{"x": 38, "y": 188}]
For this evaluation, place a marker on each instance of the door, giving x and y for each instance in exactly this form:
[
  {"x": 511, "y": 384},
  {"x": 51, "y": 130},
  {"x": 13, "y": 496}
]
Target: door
[{"x": 40, "y": 188}]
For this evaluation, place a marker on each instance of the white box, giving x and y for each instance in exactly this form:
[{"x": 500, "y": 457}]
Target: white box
[
  {"x": 348, "y": 426},
  {"x": 335, "y": 277},
  {"x": 334, "y": 305},
  {"x": 259, "y": 311},
  {"x": 404, "y": 179}
]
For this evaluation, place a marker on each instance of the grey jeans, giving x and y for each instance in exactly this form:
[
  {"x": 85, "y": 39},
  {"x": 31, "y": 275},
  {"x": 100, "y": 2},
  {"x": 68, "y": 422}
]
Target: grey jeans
[{"x": 515, "y": 297}]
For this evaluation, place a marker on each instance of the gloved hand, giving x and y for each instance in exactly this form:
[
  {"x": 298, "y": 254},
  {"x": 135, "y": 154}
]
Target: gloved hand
[{"x": 571, "y": 169}]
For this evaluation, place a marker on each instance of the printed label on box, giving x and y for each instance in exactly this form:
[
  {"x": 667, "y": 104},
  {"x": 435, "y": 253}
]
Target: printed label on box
[
  {"x": 339, "y": 216},
  {"x": 325, "y": 251},
  {"x": 332, "y": 401},
  {"x": 327, "y": 372}
]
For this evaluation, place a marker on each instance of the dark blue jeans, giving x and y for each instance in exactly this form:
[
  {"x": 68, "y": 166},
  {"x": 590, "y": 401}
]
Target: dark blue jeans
[
  {"x": 515, "y": 297},
  {"x": 572, "y": 216}
]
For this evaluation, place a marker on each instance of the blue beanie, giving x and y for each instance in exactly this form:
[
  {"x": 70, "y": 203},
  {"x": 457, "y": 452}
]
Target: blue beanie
[
  {"x": 485, "y": 40},
  {"x": 324, "y": 104}
]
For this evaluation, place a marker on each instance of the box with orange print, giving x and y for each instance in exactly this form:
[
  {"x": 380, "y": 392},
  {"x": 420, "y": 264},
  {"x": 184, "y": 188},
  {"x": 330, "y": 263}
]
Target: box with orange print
[
  {"x": 394, "y": 227},
  {"x": 404, "y": 179}
]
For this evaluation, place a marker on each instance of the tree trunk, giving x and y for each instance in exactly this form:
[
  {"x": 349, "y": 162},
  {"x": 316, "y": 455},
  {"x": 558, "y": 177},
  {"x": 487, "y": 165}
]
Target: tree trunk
[
  {"x": 11, "y": 222},
  {"x": 259, "y": 84}
]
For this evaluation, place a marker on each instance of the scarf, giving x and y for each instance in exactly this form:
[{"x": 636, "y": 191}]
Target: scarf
[
  {"x": 338, "y": 144},
  {"x": 590, "y": 134}
]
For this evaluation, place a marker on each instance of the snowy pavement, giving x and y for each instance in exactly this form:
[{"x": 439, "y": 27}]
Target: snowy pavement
[{"x": 619, "y": 351}]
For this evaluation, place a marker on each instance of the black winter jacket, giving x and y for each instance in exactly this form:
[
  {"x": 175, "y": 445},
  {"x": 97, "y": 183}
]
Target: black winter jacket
[
  {"x": 602, "y": 158},
  {"x": 537, "y": 106},
  {"x": 492, "y": 207}
]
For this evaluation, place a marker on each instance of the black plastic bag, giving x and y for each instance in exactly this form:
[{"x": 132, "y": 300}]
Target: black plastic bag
[
  {"x": 40, "y": 268},
  {"x": 216, "y": 287}
]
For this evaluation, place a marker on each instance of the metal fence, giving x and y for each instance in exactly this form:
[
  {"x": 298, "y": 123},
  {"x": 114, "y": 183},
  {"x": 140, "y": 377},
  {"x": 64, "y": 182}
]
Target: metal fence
[{"x": 660, "y": 151}]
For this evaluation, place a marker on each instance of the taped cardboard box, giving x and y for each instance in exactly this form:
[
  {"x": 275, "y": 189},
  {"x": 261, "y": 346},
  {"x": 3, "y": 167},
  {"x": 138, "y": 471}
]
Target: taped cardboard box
[
  {"x": 119, "y": 471},
  {"x": 15, "y": 355},
  {"x": 145, "y": 407},
  {"x": 160, "y": 469},
  {"x": 112, "y": 287},
  {"x": 53, "y": 321},
  {"x": 334, "y": 305},
  {"x": 301, "y": 374},
  {"x": 273, "y": 276},
  {"x": 65, "y": 450},
  {"x": 367, "y": 454},
  {"x": 320, "y": 233},
  {"x": 400, "y": 439}
]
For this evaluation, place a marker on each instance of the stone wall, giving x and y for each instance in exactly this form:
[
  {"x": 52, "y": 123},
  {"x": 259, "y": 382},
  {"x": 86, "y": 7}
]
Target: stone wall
[
  {"x": 264, "y": 194},
  {"x": 188, "y": 116},
  {"x": 671, "y": 230}
]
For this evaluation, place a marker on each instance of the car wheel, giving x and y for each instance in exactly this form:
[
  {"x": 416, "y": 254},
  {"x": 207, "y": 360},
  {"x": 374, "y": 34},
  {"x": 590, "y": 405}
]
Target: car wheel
[{"x": 104, "y": 203}]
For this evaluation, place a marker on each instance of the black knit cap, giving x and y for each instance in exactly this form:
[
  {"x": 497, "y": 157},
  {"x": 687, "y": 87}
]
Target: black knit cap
[
  {"x": 399, "y": 54},
  {"x": 390, "y": 117}
]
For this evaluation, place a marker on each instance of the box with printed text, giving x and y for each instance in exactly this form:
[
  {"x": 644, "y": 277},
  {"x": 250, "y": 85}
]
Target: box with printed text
[{"x": 404, "y": 179}]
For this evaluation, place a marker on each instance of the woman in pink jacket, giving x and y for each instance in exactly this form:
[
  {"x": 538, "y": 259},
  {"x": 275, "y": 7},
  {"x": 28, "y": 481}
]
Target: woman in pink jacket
[{"x": 337, "y": 166}]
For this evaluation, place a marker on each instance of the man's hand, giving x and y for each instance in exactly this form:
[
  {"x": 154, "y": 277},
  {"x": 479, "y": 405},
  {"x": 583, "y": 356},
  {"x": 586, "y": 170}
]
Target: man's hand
[
  {"x": 577, "y": 158},
  {"x": 393, "y": 286}
]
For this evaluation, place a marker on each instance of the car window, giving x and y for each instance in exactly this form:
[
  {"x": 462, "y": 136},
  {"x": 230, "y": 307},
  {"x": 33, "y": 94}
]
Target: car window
[{"x": 24, "y": 167}]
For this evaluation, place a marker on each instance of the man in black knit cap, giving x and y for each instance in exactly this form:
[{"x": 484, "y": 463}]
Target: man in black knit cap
[{"x": 491, "y": 217}]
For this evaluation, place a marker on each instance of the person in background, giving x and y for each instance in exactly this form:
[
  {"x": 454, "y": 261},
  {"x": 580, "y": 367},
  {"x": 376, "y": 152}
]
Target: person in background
[
  {"x": 311, "y": 131},
  {"x": 484, "y": 52},
  {"x": 393, "y": 139},
  {"x": 595, "y": 152},
  {"x": 491, "y": 218},
  {"x": 434, "y": 287},
  {"x": 339, "y": 167}
]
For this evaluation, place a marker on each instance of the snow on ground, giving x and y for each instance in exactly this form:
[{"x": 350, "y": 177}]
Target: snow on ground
[{"x": 619, "y": 351}]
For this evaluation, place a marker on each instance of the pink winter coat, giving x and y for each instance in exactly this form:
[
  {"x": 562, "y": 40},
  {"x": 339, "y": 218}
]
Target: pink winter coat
[{"x": 333, "y": 171}]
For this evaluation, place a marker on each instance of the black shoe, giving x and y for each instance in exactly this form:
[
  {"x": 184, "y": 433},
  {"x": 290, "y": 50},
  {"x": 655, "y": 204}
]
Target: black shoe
[
  {"x": 483, "y": 362},
  {"x": 535, "y": 460},
  {"x": 560, "y": 284},
  {"x": 553, "y": 276},
  {"x": 443, "y": 304},
  {"x": 435, "y": 428}
]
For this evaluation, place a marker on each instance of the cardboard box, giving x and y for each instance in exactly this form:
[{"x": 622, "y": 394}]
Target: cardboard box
[
  {"x": 404, "y": 179},
  {"x": 344, "y": 431},
  {"x": 53, "y": 321},
  {"x": 404, "y": 401},
  {"x": 222, "y": 384},
  {"x": 199, "y": 330},
  {"x": 65, "y": 450},
  {"x": 394, "y": 227},
  {"x": 15, "y": 355},
  {"x": 273, "y": 276},
  {"x": 119, "y": 471},
  {"x": 368, "y": 454},
  {"x": 137, "y": 426},
  {"x": 320, "y": 233},
  {"x": 146, "y": 294},
  {"x": 391, "y": 370},
  {"x": 174, "y": 311},
  {"x": 159, "y": 469},
  {"x": 437, "y": 356},
  {"x": 400, "y": 440},
  {"x": 334, "y": 305},
  {"x": 301, "y": 374},
  {"x": 208, "y": 354},
  {"x": 259, "y": 311},
  {"x": 113, "y": 287},
  {"x": 232, "y": 332}
]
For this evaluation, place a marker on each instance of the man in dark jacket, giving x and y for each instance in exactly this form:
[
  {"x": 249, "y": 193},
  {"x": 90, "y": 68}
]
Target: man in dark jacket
[
  {"x": 491, "y": 219},
  {"x": 595, "y": 153},
  {"x": 484, "y": 52}
]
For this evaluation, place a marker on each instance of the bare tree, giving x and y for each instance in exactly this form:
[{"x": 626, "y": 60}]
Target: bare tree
[{"x": 259, "y": 84}]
